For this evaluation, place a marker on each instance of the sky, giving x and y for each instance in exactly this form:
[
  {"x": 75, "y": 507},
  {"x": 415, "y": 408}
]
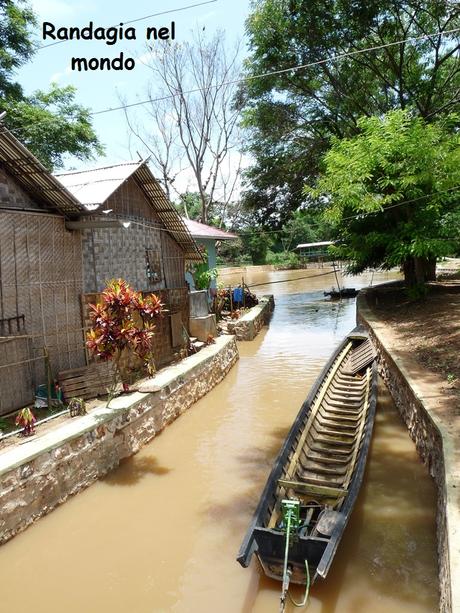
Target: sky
[{"x": 101, "y": 89}]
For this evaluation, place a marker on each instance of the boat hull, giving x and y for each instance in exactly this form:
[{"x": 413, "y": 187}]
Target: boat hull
[{"x": 320, "y": 465}]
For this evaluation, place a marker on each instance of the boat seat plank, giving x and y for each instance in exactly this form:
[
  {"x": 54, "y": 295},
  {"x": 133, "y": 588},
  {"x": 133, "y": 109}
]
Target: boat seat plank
[
  {"x": 333, "y": 441},
  {"x": 326, "y": 459},
  {"x": 311, "y": 466},
  {"x": 346, "y": 416},
  {"x": 320, "y": 428},
  {"x": 360, "y": 357},
  {"x": 329, "y": 422},
  {"x": 323, "y": 480},
  {"x": 311, "y": 488},
  {"x": 321, "y": 448}
]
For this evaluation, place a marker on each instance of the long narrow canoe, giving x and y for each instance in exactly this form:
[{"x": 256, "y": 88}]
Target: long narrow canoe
[{"x": 320, "y": 467}]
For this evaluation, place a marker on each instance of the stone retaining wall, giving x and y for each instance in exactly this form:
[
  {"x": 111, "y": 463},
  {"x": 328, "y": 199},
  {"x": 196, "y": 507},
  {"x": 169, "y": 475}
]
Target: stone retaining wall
[
  {"x": 42, "y": 473},
  {"x": 248, "y": 327},
  {"x": 432, "y": 442}
]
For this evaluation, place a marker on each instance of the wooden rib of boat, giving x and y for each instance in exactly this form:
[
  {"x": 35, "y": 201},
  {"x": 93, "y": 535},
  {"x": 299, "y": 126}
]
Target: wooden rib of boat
[{"x": 320, "y": 465}]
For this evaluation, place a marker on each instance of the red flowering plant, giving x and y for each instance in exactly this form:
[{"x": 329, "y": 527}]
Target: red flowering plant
[
  {"x": 26, "y": 419},
  {"x": 123, "y": 324}
]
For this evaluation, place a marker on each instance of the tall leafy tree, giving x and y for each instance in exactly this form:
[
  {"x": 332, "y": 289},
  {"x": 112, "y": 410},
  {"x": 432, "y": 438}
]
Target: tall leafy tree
[
  {"x": 292, "y": 116},
  {"x": 50, "y": 123},
  {"x": 393, "y": 194}
]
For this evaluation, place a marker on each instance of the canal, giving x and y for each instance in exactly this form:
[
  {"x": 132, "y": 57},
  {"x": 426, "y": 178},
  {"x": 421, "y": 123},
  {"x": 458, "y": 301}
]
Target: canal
[{"x": 161, "y": 533}]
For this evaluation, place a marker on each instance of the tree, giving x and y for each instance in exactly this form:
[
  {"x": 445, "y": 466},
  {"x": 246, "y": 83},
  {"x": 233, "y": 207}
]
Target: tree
[
  {"x": 291, "y": 116},
  {"x": 256, "y": 243},
  {"x": 194, "y": 84},
  {"x": 304, "y": 226},
  {"x": 392, "y": 193},
  {"x": 189, "y": 205},
  {"x": 50, "y": 123}
]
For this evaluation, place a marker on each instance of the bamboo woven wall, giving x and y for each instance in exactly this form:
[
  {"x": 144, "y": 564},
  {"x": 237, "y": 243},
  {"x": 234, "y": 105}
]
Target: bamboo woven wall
[
  {"x": 12, "y": 195},
  {"x": 16, "y": 381},
  {"x": 41, "y": 278},
  {"x": 121, "y": 253}
]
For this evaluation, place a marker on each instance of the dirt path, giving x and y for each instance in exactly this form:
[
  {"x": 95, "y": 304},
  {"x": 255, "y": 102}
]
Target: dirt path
[{"x": 429, "y": 329}]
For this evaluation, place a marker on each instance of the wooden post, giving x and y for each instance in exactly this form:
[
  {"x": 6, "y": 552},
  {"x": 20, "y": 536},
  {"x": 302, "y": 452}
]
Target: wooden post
[
  {"x": 231, "y": 300},
  {"x": 48, "y": 375},
  {"x": 244, "y": 298},
  {"x": 337, "y": 279}
]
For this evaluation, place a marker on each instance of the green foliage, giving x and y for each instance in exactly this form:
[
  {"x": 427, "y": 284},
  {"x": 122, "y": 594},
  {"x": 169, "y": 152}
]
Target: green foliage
[
  {"x": 202, "y": 275},
  {"x": 50, "y": 123},
  {"x": 291, "y": 116},
  {"x": 305, "y": 226},
  {"x": 230, "y": 252},
  {"x": 16, "y": 47},
  {"x": 189, "y": 205},
  {"x": 284, "y": 259},
  {"x": 391, "y": 191},
  {"x": 256, "y": 243}
]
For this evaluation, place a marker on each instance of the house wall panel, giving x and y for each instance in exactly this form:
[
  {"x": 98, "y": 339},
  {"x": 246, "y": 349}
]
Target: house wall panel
[
  {"x": 40, "y": 278},
  {"x": 110, "y": 253}
]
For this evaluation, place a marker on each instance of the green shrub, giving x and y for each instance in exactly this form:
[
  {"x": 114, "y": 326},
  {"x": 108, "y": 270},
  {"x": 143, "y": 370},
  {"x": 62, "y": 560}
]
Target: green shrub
[{"x": 285, "y": 259}]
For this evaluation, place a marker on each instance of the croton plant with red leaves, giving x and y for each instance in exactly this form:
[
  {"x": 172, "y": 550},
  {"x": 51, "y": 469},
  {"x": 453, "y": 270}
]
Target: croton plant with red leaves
[{"x": 123, "y": 321}]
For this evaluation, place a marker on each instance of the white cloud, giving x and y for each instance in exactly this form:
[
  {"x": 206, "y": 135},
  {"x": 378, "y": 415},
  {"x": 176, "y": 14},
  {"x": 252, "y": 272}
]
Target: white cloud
[{"x": 57, "y": 76}]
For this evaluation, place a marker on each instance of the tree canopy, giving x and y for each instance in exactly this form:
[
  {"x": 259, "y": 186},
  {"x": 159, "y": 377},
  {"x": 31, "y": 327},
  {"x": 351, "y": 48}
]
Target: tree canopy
[
  {"x": 50, "y": 123},
  {"x": 393, "y": 193},
  {"x": 291, "y": 116}
]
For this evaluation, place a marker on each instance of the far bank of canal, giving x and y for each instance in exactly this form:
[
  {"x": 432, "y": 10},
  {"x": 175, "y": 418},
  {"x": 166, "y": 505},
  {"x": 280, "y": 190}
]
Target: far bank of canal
[{"x": 161, "y": 533}]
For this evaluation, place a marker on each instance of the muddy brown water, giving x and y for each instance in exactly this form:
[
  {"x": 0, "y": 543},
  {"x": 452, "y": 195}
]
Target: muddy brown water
[{"x": 161, "y": 533}]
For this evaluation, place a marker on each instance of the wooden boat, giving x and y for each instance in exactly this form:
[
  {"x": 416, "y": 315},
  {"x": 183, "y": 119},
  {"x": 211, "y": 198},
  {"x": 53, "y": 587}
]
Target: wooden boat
[
  {"x": 319, "y": 469},
  {"x": 345, "y": 292}
]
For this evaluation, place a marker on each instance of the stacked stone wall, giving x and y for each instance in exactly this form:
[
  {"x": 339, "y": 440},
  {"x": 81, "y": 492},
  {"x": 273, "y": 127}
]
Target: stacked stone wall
[
  {"x": 249, "y": 326},
  {"x": 34, "y": 481},
  {"x": 428, "y": 439}
]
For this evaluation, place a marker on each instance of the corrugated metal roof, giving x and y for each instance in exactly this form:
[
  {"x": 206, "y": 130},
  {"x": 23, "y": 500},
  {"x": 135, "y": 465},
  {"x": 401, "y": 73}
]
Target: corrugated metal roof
[
  {"x": 320, "y": 244},
  {"x": 94, "y": 186},
  {"x": 201, "y": 230},
  {"x": 34, "y": 178}
]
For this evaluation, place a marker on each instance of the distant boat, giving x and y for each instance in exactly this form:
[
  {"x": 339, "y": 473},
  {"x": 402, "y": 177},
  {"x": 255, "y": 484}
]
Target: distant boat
[
  {"x": 345, "y": 292},
  {"x": 317, "y": 475}
]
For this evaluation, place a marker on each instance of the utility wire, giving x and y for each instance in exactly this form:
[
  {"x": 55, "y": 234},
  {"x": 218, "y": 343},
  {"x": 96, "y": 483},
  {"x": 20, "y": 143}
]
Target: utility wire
[
  {"x": 393, "y": 206},
  {"x": 182, "y": 8},
  {"x": 366, "y": 214},
  {"x": 334, "y": 58},
  {"x": 322, "y": 274}
]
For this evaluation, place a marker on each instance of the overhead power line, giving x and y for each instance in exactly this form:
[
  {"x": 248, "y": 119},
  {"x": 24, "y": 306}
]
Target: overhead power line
[
  {"x": 182, "y": 8},
  {"x": 366, "y": 214},
  {"x": 393, "y": 206},
  {"x": 334, "y": 58}
]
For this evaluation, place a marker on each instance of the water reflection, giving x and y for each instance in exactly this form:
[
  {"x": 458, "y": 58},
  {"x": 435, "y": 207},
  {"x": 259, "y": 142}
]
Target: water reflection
[{"x": 167, "y": 543}]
